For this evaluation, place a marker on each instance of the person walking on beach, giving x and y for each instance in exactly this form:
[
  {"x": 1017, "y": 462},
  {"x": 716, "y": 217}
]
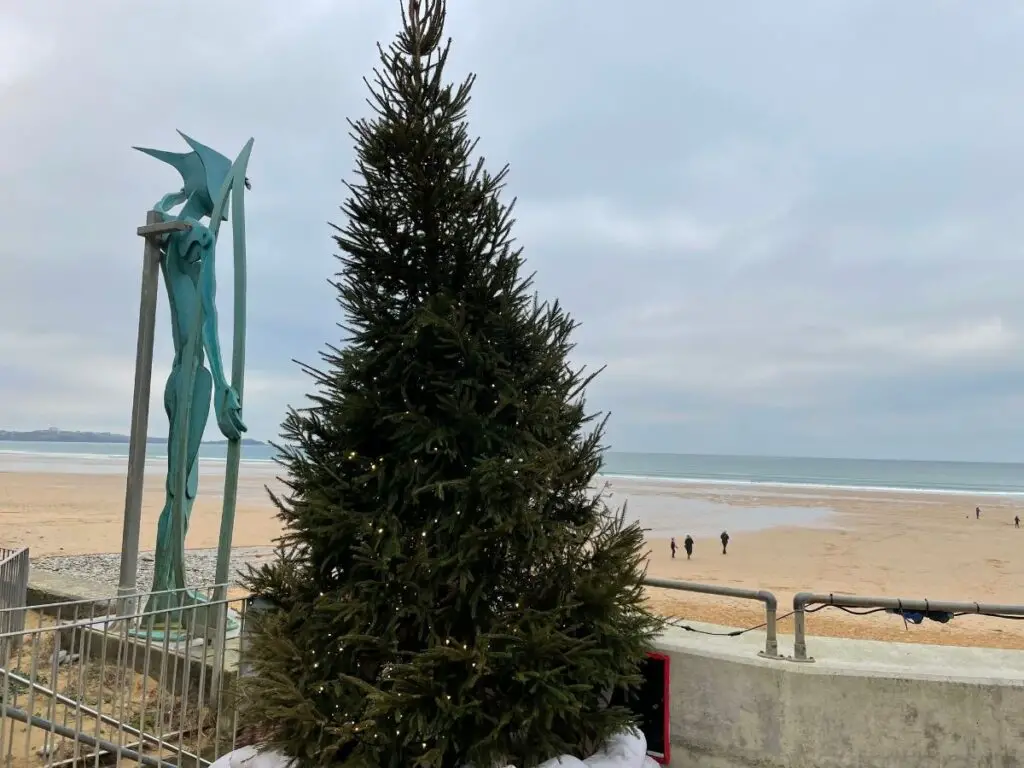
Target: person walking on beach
[
  {"x": 1016, "y": 521},
  {"x": 672, "y": 546},
  {"x": 977, "y": 513},
  {"x": 688, "y": 546},
  {"x": 725, "y": 541}
]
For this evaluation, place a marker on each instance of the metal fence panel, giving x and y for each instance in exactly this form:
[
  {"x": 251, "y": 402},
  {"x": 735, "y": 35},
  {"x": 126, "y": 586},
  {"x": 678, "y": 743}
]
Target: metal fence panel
[
  {"x": 150, "y": 687},
  {"x": 14, "y": 568}
]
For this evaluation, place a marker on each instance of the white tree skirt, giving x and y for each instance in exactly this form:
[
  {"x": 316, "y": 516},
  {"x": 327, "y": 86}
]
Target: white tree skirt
[{"x": 626, "y": 750}]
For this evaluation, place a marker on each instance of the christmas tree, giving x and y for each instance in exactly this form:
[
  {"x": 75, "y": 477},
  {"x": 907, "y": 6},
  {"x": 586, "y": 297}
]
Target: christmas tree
[{"x": 451, "y": 588}]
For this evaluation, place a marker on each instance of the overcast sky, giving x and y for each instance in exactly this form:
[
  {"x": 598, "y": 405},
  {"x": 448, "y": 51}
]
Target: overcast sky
[{"x": 788, "y": 228}]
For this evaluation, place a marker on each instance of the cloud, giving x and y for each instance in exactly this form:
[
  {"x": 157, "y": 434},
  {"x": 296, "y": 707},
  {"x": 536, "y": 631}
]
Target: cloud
[
  {"x": 600, "y": 222},
  {"x": 20, "y": 51},
  {"x": 794, "y": 230},
  {"x": 986, "y": 338}
]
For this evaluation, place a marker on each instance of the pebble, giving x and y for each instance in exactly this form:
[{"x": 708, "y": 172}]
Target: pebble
[{"x": 200, "y": 566}]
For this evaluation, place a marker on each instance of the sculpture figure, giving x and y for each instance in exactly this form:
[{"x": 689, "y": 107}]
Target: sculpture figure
[{"x": 197, "y": 379}]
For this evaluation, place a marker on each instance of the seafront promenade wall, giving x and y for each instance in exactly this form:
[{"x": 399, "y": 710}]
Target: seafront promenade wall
[{"x": 860, "y": 704}]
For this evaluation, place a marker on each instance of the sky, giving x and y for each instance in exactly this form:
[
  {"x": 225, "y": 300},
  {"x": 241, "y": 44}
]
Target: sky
[{"x": 785, "y": 228}]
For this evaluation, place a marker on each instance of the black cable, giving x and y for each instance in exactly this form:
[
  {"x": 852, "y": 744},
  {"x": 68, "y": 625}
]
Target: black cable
[
  {"x": 688, "y": 628},
  {"x": 851, "y": 611},
  {"x": 675, "y": 622},
  {"x": 734, "y": 633},
  {"x": 900, "y": 610}
]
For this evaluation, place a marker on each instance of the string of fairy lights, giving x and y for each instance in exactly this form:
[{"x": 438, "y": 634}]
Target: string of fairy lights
[{"x": 374, "y": 465}]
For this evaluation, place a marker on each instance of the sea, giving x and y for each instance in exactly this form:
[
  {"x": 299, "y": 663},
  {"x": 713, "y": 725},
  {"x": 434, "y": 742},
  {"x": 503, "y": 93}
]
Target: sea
[{"x": 976, "y": 478}]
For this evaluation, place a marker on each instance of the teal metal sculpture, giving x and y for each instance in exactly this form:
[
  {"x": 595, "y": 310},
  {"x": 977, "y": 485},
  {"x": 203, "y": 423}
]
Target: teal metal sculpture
[{"x": 189, "y": 274}]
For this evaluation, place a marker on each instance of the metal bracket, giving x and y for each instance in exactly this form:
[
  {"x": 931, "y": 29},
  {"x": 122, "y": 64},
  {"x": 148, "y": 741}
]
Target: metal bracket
[{"x": 163, "y": 228}]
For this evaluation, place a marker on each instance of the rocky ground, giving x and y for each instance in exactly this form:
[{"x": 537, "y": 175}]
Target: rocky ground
[{"x": 102, "y": 570}]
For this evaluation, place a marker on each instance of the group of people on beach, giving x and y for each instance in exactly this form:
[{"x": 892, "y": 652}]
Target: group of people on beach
[
  {"x": 688, "y": 545},
  {"x": 1016, "y": 518}
]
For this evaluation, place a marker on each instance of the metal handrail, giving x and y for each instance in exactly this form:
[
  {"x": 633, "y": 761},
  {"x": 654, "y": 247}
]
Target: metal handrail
[
  {"x": 803, "y": 599},
  {"x": 771, "y": 642}
]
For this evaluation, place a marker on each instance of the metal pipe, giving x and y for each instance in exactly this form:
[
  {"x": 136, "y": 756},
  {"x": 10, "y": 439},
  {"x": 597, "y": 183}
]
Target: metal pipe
[
  {"x": 803, "y": 599},
  {"x": 771, "y": 639},
  {"x": 154, "y": 228},
  {"x": 70, "y": 733},
  {"x": 71, "y": 762},
  {"x": 140, "y": 417},
  {"x": 800, "y": 632},
  {"x": 771, "y": 604},
  {"x": 67, "y": 700}
]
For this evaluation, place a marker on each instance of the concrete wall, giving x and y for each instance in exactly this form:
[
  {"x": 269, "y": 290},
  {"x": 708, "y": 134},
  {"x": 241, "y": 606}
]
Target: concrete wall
[{"x": 861, "y": 704}]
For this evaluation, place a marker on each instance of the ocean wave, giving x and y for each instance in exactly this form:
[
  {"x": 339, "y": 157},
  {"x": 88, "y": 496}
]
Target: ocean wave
[
  {"x": 796, "y": 484},
  {"x": 117, "y": 458},
  {"x": 821, "y": 475},
  {"x": 63, "y": 455}
]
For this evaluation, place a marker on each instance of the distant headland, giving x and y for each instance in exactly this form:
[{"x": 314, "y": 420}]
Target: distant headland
[{"x": 54, "y": 435}]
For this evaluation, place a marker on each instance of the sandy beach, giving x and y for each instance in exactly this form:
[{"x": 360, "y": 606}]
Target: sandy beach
[
  {"x": 911, "y": 545},
  {"x": 872, "y": 543},
  {"x": 73, "y": 514}
]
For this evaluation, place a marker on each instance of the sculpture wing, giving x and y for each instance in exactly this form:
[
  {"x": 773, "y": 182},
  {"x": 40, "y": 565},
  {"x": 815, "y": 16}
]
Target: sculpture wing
[{"x": 234, "y": 186}]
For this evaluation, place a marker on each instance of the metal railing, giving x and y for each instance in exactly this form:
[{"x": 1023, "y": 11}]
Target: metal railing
[
  {"x": 154, "y": 687},
  {"x": 81, "y": 683},
  {"x": 14, "y": 569},
  {"x": 803, "y": 599},
  {"x": 771, "y": 642}
]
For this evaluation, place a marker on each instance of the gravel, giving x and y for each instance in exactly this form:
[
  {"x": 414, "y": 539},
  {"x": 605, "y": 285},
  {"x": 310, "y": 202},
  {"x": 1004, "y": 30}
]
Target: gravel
[{"x": 102, "y": 570}]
